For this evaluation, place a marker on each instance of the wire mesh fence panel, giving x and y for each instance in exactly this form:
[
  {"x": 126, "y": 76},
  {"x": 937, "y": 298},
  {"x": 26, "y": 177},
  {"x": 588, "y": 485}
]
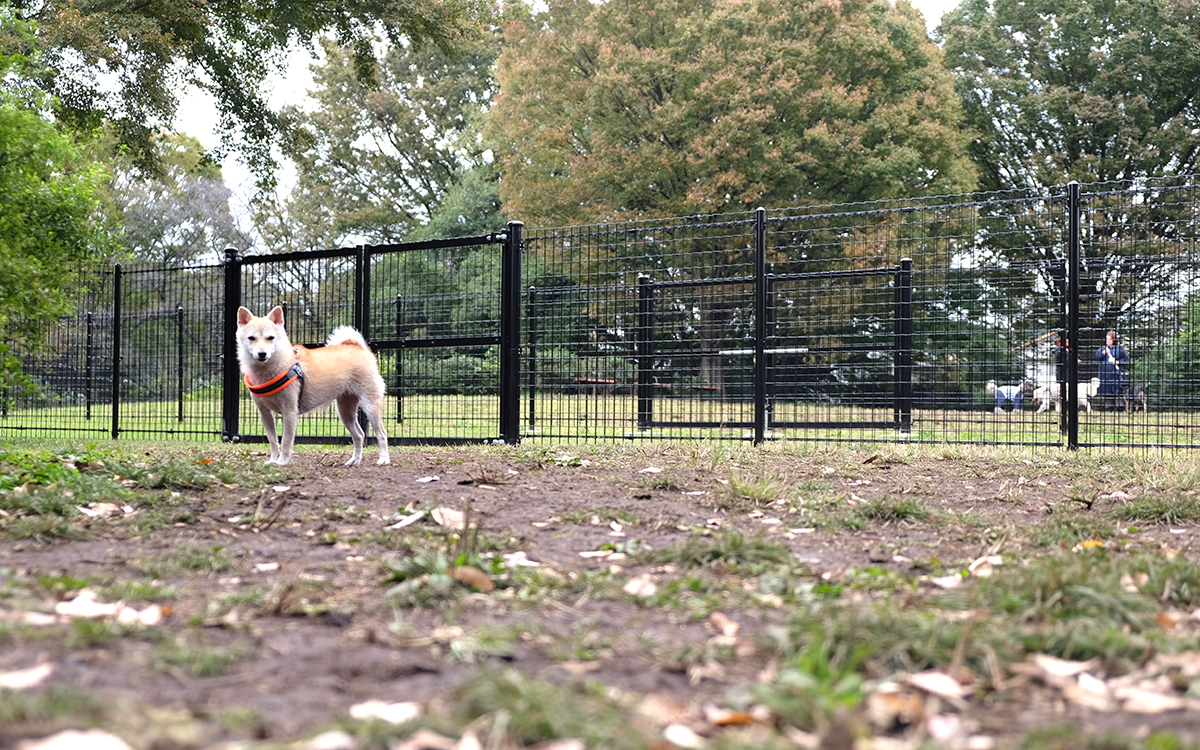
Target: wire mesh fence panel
[
  {"x": 629, "y": 329},
  {"x": 1138, "y": 294},
  {"x": 66, "y": 383},
  {"x": 170, "y": 349},
  {"x": 435, "y": 319},
  {"x": 945, "y": 319}
]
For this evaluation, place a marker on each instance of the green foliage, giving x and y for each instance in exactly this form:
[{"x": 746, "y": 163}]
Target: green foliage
[
  {"x": 1065, "y": 90},
  {"x": 728, "y": 548},
  {"x": 651, "y": 108},
  {"x": 394, "y": 157},
  {"x": 815, "y": 682},
  {"x": 537, "y": 711},
  {"x": 155, "y": 50}
]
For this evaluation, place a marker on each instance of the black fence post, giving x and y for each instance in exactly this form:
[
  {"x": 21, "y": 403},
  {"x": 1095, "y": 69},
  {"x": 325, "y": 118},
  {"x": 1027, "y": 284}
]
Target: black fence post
[
  {"x": 362, "y": 278},
  {"x": 116, "y": 353},
  {"x": 230, "y": 374},
  {"x": 1071, "y": 399},
  {"x": 760, "y": 325},
  {"x": 88, "y": 365},
  {"x": 510, "y": 334},
  {"x": 645, "y": 352},
  {"x": 531, "y": 314},
  {"x": 904, "y": 355},
  {"x": 400, "y": 360},
  {"x": 179, "y": 354},
  {"x": 362, "y": 313}
]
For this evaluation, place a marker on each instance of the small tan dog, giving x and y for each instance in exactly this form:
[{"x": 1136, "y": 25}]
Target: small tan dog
[{"x": 293, "y": 380}]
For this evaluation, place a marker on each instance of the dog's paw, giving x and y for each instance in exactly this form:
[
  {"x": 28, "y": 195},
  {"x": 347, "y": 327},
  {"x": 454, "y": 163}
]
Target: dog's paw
[
  {"x": 384, "y": 461},
  {"x": 354, "y": 461}
]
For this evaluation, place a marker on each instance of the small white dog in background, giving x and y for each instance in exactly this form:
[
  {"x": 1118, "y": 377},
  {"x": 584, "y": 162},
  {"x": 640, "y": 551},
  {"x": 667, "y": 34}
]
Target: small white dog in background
[{"x": 1052, "y": 395}]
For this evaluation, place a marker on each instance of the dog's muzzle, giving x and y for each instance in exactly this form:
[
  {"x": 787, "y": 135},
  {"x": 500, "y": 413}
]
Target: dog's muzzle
[{"x": 260, "y": 356}]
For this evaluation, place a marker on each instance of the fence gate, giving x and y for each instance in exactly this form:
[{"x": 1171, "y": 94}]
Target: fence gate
[
  {"x": 440, "y": 315},
  {"x": 769, "y": 353}
]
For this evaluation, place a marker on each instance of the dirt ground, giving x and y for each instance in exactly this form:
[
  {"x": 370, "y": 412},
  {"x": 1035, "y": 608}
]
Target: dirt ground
[{"x": 320, "y": 636}]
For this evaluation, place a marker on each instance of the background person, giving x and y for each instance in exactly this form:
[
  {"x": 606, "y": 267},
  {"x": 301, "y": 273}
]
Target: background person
[{"x": 1113, "y": 370}]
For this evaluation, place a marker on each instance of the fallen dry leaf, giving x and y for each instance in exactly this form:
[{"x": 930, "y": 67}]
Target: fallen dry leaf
[
  {"x": 680, "y": 735},
  {"x": 72, "y": 739},
  {"x": 392, "y": 713},
  {"x": 472, "y": 577},
  {"x": 722, "y": 624},
  {"x": 893, "y": 706},
  {"x": 450, "y": 518},
  {"x": 1143, "y": 701},
  {"x": 942, "y": 685},
  {"x": 724, "y": 717},
  {"x": 641, "y": 586},
  {"x": 25, "y": 678}
]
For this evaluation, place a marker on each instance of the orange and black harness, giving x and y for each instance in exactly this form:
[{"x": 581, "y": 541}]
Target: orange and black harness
[{"x": 279, "y": 382}]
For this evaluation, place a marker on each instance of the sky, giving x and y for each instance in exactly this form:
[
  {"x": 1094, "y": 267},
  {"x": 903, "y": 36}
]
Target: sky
[{"x": 197, "y": 113}]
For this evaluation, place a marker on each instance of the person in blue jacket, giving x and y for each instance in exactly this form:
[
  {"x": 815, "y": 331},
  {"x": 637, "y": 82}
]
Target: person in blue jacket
[{"x": 1114, "y": 370}]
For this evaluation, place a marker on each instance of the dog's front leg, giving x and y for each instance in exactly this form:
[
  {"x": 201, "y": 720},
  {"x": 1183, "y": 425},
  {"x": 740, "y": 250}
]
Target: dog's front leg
[
  {"x": 268, "y": 421},
  {"x": 290, "y": 418}
]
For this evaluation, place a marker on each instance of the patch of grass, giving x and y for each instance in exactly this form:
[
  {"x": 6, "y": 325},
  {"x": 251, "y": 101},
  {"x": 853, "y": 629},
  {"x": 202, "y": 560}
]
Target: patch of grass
[
  {"x": 1067, "y": 737},
  {"x": 44, "y": 707},
  {"x": 1169, "y": 510},
  {"x": 197, "y": 661},
  {"x": 744, "y": 491},
  {"x": 341, "y": 512},
  {"x": 1066, "y": 527},
  {"x": 186, "y": 559},
  {"x": 890, "y": 510},
  {"x": 137, "y": 591},
  {"x": 731, "y": 549},
  {"x": 796, "y": 585},
  {"x": 662, "y": 482},
  {"x": 601, "y": 514},
  {"x": 91, "y": 633},
  {"x": 43, "y": 528},
  {"x": 189, "y": 472},
  {"x": 534, "y": 711},
  {"x": 815, "y": 682},
  {"x": 585, "y": 642},
  {"x": 875, "y": 578}
]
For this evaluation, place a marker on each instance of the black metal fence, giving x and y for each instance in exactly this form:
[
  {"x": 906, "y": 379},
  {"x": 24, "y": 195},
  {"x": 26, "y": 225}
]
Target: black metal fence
[{"x": 884, "y": 322}]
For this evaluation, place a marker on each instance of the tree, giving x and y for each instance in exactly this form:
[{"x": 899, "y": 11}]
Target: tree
[
  {"x": 177, "y": 214},
  {"x": 388, "y": 153},
  {"x": 47, "y": 219},
  {"x": 1085, "y": 90},
  {"x": 1061, "y": 90},
  {"x": 675, "y": 107},
  {"x": 152, "y": 51}
]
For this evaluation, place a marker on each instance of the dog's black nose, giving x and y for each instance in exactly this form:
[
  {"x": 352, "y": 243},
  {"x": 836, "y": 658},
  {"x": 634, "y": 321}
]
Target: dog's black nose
[{"x": 262, "y": 356}]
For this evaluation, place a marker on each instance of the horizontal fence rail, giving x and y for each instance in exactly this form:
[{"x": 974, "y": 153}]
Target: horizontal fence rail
[{"x": 961, "y": 319}]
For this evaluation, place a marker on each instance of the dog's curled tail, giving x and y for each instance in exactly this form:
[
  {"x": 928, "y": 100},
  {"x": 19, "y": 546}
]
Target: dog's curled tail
[{"x": 342, "y": 334}]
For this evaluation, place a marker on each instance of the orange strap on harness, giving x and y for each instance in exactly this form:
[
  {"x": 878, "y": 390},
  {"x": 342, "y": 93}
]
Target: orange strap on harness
[{"x": 277, "y": 383}]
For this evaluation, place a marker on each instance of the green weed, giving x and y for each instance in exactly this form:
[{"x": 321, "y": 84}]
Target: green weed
[
  {"x": 731, "y": 549},
  {"x": 534, "y": 711}
]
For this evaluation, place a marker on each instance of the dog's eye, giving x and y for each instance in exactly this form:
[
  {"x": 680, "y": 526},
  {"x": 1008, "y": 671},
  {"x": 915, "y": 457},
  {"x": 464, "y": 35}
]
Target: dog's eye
[
  {"x": 250, "y": 338},
  {"x": 270, "y": 338}
]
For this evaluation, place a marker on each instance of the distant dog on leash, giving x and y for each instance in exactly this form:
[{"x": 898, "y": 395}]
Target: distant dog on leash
[
  {"x": 1133, "y": 400},
  {"x": 1009, "y": 397},
  {"x": 293, "y": 380},
  {"x": 1051, "y": 395}
]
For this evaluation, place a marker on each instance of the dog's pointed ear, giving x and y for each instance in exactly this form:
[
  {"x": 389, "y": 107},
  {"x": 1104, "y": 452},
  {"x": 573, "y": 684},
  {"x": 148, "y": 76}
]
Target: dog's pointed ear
[
  {"x": 276, "y": 315},
  {"x": 244, "y": 316}
]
